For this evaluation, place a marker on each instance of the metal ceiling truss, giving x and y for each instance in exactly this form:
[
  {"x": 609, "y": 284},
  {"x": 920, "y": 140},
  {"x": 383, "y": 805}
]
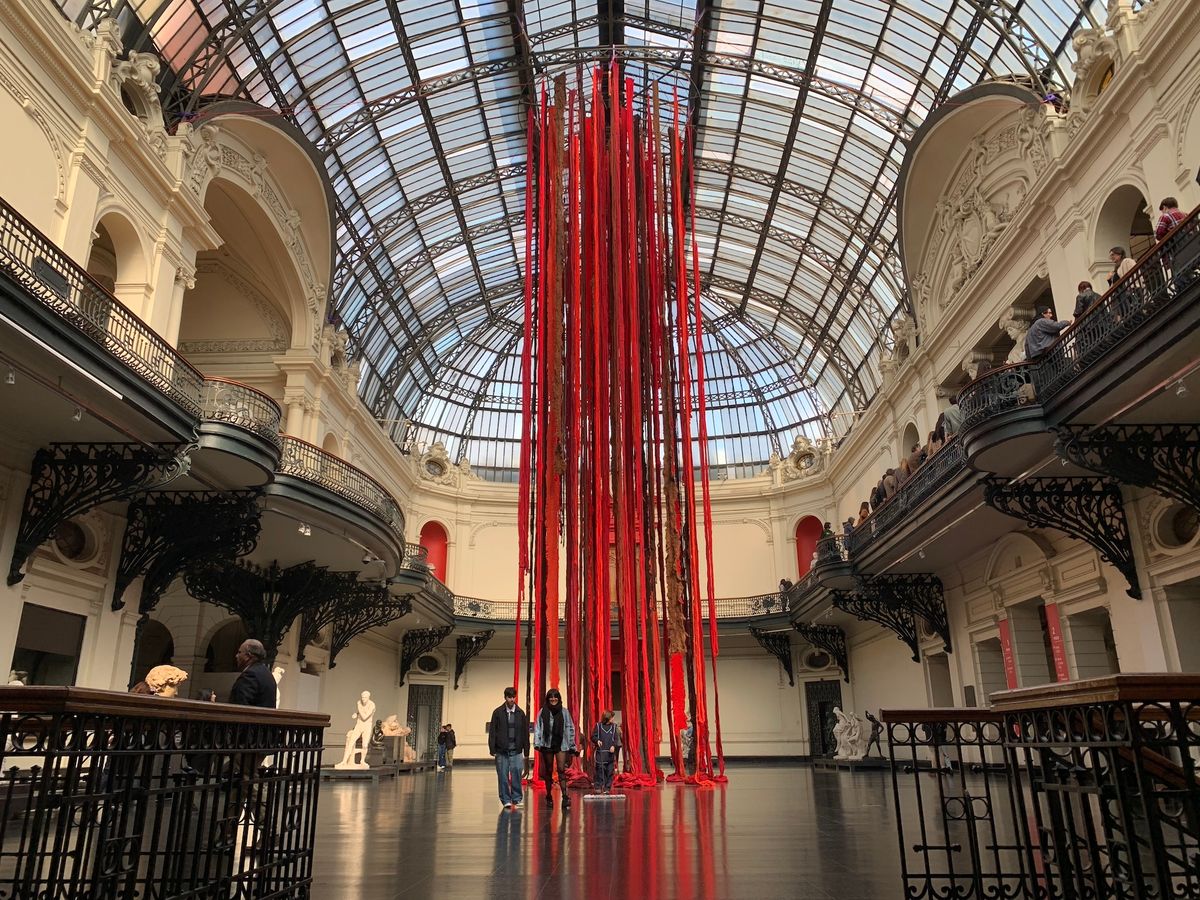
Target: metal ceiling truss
[
  {"x": 358, "y": 614},
  {"x": 416, "y": 643},
  {"x": 1087, "y": 508},
  {"x": 779, "y": 646},
  {"x": 1164, "y": 458},
  {"x": 829, "y": 638}
]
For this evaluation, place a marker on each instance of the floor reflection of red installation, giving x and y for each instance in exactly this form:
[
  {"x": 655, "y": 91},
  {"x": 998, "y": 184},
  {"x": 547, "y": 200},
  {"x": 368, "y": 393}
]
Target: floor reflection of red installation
[{"x": 614, "y": 488}]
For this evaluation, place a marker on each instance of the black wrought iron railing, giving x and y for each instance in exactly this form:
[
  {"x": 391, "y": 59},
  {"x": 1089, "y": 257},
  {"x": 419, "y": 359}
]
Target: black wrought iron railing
[
  {"x": 241, "y": 405},
  {"x": 120, "y": 795},
  {"x": 1085, "y": 789},
  {"x": 998, "y": 391},
  {"x": 934, "y": 474},
  {"x": 61, "y": 285},
  {"x": 1159, "y": 279},
  {"x": 772, "y": 604},
  {"x": 301, "y": 459},
  {"x": 415, "y": 556}
]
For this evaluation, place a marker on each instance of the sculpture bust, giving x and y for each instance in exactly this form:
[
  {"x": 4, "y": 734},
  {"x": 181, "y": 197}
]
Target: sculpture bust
[{"x": 164, "y": 681}]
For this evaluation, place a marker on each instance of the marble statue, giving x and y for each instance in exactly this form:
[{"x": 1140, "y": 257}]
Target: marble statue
[
  {"x": 17, "y": 678},
  {"x": 364, "y": 716},
  {"x": 876, "y": 731},
  {"x": 848, "y": 734},
  {"x": 391, "y": 727},
  {"x": 277, "y": 674},
  {"x": 164, "y": 681}
]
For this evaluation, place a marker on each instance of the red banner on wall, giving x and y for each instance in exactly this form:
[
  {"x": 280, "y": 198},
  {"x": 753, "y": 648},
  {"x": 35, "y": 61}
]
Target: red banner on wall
[
  {"x": 1006, "y": 648},
  {"x": 1058, "y": 648}
]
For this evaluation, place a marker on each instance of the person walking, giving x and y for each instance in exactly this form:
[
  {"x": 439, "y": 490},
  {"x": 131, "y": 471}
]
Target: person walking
[
  {"x": 255, "y": 686},
  {"x": 508, "y": 742},
  {"x": 606, "y": 741},
  {"x": 451, "y": 743},
  {"x": 554, "y": 740}
]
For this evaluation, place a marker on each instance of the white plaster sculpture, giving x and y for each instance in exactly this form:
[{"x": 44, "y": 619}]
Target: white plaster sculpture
[
  {"x": 17, "y": 678},
  {"x": 364, "y": 718},
  {"x": 164, "y": 681},
  {"x": 849, "y": 735},
  {"x": 392, "y": 727},
  {"x": 277, "y": 674}
]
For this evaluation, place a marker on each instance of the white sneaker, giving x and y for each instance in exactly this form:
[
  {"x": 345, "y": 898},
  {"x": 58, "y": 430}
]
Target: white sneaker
[
  {"x": 503, "y": 806},
  {"x": 518, "y": 805}
]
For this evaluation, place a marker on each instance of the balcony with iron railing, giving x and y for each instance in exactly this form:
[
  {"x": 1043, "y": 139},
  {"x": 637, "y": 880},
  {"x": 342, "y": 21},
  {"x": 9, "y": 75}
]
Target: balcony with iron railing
[
  {"x": 728, "y": 609},
  {"x": 1084, "y": 789},
  {"x": 309, "y": 463},
  {"x": 100, "y": 329}
]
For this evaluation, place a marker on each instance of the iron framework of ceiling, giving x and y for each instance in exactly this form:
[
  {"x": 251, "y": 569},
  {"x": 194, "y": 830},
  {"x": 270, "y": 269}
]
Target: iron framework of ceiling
[{"x": 802, "y": 114}]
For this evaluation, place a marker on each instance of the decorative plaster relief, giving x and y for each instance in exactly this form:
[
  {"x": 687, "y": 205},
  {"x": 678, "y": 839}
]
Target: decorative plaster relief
[
  {"x": 12, "y": 86},
  {"x": 267, "y": 313}
]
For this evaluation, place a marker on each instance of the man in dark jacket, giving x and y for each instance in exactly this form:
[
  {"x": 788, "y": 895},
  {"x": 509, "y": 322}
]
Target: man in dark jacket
[
  {"x": 508, "y": 742},
  {"x": 255, "y": 686},
  {"x": 1042, "y": 333}
]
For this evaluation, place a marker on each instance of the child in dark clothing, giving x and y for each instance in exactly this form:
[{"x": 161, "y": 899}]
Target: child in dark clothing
[{"x": 606, "y": 739}]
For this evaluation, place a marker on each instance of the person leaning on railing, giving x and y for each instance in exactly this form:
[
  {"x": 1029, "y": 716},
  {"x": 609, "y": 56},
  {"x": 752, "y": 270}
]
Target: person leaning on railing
[{"x": 1043, "y": 332}]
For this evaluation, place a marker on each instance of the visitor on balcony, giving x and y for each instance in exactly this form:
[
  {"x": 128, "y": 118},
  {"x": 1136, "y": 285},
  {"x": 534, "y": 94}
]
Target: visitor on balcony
[
  {"x": 1043, "y": 332},
  {"x": 785, "y": 585},
  {"x": 864, "y": 510},
  {"x": 916, "y": 456},
  {"x": 889, "y": 484},
  {"x": 933, "y": 444},
  {"x": 952, "y": 419},
  {"x": 903, "y": 473},
  {"x": 1122, "y": 265},
  {"x": 848, "y": 527},
  {"x": 1170, "y": 216},
  {"x": 1085, "y": 299}
]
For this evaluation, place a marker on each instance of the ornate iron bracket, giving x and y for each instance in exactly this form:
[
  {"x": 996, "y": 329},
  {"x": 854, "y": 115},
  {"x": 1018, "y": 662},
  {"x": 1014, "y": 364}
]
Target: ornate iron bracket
[
  {"x": 831, "y": 639},
  {"x": 67, "y": 480},
  {"x": 777, "y": 644},
  {"x": 267, "y": 599},
  {"x": 1090, "y": 509},
  {"x": 1165, "y": 458},
  {"x": 922, "y": 594},
  {"x": 417, "y": 642},
  {"x": 360, "y": 616},
  {"x": 167, "y": 532},
  {"x": 882, "y": 610},
  {"x": 469, "y": 647}
]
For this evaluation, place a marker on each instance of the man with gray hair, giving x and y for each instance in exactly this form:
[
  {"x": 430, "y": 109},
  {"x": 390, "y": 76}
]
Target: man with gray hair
[{"x": 255, "y": 686}]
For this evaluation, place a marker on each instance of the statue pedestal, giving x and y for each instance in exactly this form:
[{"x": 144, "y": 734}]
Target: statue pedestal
[
  {"x": 829, "y": 764},
  {"x": 392, "y": 751}
]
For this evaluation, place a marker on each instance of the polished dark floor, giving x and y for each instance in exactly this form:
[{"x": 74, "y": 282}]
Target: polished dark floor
[{"x": 771, "y": 832}]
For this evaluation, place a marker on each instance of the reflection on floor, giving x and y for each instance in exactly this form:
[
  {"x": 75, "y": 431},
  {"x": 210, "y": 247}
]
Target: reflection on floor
[{"x": 772, "y": 832}]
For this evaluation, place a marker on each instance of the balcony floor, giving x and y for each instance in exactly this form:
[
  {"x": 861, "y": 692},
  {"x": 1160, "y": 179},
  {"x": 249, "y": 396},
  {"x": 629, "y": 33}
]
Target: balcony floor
[{"x": 774, "y": 831}]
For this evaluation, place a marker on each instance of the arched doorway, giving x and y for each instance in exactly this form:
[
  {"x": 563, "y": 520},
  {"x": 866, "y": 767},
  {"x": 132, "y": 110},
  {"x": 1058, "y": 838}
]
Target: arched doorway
[
  {"x": 808, "y": 532},
  {"x": 1124, "y": 222},
  {"x": 218, "y": 655},
  {"x": 435, "y": 540},
  {"x": 911, "y": 437},
  {"x": 156, "y": 647},
  {"x": 115, "y": 261}
]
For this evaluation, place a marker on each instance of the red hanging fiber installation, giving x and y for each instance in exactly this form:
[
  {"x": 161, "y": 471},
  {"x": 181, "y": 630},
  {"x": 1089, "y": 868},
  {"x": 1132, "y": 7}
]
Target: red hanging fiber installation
[{"x": 614, "y": 503}]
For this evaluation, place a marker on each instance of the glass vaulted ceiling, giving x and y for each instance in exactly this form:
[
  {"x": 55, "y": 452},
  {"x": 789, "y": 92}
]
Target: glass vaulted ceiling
[{"x": 803, "y": 108}]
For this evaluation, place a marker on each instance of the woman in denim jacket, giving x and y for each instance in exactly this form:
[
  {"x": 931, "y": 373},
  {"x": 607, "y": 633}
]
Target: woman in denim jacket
[{"x": 554, "y": 740}]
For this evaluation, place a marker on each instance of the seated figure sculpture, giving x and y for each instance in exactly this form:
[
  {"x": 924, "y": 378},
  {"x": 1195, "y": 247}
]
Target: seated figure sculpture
[{"x": 355, "y": 757}]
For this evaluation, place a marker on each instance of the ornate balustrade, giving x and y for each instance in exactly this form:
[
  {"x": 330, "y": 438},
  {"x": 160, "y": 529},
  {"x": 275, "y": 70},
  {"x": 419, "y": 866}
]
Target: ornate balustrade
[
  {"x": 241, "y": 405},
  {"x": 998, "y": 391},
  {"x": 1087, "y": 789},
  {"x": 301, "y": 459},
  {"x": 727, "y": 607},
  {"x": 62, "y": 286},
  {"x": 1160, "y": 277},
  {"x": 935, "y": 473},
  {"x": 120, "y": 795}
]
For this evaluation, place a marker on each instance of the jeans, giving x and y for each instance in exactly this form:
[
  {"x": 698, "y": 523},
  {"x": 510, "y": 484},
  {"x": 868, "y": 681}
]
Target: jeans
[
  {"x": 510, "y": 767},
  {"x": 441, "y": 756}
]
